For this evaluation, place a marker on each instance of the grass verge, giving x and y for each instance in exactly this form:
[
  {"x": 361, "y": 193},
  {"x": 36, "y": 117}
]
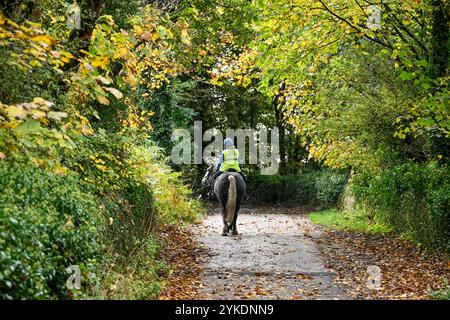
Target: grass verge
[{"x": 355, "y": 220}]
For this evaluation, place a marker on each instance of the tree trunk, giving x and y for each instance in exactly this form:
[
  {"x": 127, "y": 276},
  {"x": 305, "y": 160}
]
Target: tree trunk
[
  {"x": 279, "y": 119},
  {"x": 440, "y": 39}
]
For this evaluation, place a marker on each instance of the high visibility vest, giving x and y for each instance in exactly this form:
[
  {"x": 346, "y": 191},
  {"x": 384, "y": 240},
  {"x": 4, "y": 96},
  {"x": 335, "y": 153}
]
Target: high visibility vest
[{"x": 230, "y": 160}]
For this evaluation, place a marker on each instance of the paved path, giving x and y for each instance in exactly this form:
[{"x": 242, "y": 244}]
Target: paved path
[{"x": 273, "y": 257}]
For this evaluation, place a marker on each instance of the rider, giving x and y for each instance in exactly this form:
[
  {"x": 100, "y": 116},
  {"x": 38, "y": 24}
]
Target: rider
[{"x": 229, "y": 159}]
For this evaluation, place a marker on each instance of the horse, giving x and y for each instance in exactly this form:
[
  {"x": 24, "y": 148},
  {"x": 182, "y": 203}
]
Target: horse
[{"x": 229, "y": 189}]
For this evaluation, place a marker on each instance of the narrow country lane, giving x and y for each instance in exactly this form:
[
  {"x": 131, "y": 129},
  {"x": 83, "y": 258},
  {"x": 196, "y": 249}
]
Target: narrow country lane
[{"x": 273, "y": 257}]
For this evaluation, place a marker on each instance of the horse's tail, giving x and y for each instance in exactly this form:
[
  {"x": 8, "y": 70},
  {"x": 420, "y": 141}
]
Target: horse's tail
[{"x": 231, "y": 201}]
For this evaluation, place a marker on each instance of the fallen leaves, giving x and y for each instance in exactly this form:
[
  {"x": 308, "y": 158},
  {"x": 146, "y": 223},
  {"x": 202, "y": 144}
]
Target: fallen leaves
[
  {"x": 302, "y": 276},
  {"x": 407, "y": 272},
  {"x": 183, "y": 255}
]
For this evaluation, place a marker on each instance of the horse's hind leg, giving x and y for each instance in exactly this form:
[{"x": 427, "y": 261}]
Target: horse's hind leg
[{"x": 225, "y": 224}]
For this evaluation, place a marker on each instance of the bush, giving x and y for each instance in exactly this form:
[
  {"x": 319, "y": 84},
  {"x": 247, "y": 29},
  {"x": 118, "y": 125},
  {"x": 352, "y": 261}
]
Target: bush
[
  {"x": 413, "y": 199},
  {"x": 137, "y": 189},
  {"x": 329, "y": 186},
  {"x": 309, "y": 188},
  {"x": 47, "y": 224},
  {"x": 102, "y": 162},
  {"x": 142, "y": 277},
  {"x": 173, "y": 201},
  {"x": 100, "y": 218}
]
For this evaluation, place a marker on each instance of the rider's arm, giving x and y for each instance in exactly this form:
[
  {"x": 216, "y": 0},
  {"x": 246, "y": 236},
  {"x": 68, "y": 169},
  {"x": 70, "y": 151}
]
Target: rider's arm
[{"x": 219, "y": 163}]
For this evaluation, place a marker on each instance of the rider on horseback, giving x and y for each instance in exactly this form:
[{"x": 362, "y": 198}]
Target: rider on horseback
[{"x": 229, "y": 160}]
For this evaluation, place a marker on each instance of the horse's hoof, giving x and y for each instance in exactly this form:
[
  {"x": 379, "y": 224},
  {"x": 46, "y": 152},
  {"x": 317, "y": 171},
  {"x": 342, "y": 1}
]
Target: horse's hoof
[
  {"x": 235, "y": 233},
  {"x": 224, "y": 234}
]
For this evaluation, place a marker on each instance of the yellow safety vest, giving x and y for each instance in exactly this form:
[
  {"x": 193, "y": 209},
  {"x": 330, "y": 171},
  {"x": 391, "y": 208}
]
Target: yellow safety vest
[{"x": 230, "y": 160}]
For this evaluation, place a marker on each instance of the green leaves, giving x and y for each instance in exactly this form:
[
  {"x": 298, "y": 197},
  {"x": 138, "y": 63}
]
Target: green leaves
[
  {"x": 360, "y": 79},
  {"x": 405, "y": 76},
  {"x": 35, "y": 203},
  {"x": 164, "y": 33},
  {"x": 426, "y": 122},
  {"x": 27, "y": 127}
]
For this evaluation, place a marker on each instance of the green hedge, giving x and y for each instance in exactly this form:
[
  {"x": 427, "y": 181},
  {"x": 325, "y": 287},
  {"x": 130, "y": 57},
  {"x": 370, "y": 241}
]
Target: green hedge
[
  {"x": 309, "y": 188},
  {"x": 47, "y": 223},
  {"x": 126, "y": 199},
  {"x": 98, "y": 210},
  {"x": 413, "y": 199}
]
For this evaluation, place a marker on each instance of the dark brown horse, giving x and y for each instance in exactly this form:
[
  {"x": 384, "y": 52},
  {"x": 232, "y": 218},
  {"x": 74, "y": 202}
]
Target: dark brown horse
[{"x": 229, "y": 189}]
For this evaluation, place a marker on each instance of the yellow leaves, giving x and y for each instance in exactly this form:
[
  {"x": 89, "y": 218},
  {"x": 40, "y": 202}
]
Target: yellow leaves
[
  {"x": 68, "y": 225},
  {"x": 271, "y": 23},
  {"x": 46, "y": 39},
  {"x": 43, "y": 102},
  {"x": 66, "y": 56},
  {"x": 394, "y": 54},
  {"x": 102, "y": 168},
  {"x": 356, "y": 20},
  {"x": 35, "y": 63},
  {"x": 58, "y": 116},
  {"x": 53, "y": 19},
  {"x": 216, "y": 81},
  {"x": 185, "y": 38},
  {"x": 100, "y": 62},
  {"x": 219, "y": 10},
  {"x": 149, "y": 36},
  {"x": 241, "y": 80},
  {"x": 138, "y": 29},
  {"x": 103, "y": 100},
  {"x": 38, "y": 114},
  {"x": 226, "y": 38},
  {"x": 26, "y": 118},
  {"x": 29, "y": 47},
  {"x": 164, "y": 33},
  {"x": 121, "y": 53},
  {"x": 15, "y": 112},
  {"x": 61, "y": 171},
  {"x": 88, "y": 180},
  {"x": 308, "y": 83},
  {"x": 85, "y": 68},
  {"x": 12, "y": 23},
  {"x": 98, "y": 163}
]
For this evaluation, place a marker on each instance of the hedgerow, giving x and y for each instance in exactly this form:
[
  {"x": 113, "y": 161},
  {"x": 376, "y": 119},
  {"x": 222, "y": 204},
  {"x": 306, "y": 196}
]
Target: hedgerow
[
  {"x": 48, "y": 223},
  {"x": 412, "y": 198},
  {"x": 319, "y": 188}
]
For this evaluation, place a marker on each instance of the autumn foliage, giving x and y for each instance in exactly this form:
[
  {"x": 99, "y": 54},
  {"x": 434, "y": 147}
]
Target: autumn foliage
[{"x": 86, "y": 115}]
